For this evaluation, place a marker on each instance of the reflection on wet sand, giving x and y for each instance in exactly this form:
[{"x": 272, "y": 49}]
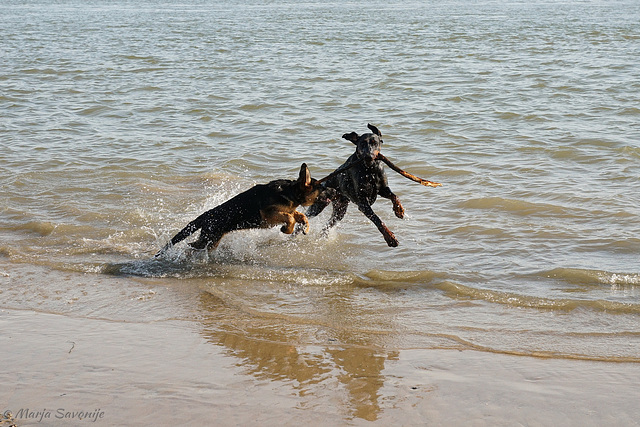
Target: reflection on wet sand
[
  {"x": 347, "y": 366},
  {"x": 361, "y": 373}
]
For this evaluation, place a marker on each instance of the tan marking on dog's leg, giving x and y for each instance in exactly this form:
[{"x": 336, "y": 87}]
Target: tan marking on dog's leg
[
  {"x": 289, "y": 223},
  {"x": 301, "y": 218},
  {"x": 275, "y": 218}
]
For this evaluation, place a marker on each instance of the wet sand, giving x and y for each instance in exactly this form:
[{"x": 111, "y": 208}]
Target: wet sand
[{"x": 170, "y": 373}]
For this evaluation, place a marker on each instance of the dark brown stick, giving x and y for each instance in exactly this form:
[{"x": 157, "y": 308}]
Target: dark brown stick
[{"x": 424, "y": 182}]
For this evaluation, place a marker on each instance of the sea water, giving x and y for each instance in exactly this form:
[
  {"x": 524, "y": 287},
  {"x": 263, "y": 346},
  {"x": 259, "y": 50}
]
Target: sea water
[{"x": 122, "y": 121}]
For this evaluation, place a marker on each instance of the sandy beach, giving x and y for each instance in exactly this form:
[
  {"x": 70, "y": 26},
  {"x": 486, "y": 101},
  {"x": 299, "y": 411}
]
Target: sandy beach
[{"x": 74, "y": 369}]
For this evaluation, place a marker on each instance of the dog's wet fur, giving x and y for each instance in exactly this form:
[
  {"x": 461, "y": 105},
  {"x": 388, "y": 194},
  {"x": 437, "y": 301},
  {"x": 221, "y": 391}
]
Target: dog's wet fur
[
  {"x": 261, "y": 206},
  {"x": 360, "y": 184}
]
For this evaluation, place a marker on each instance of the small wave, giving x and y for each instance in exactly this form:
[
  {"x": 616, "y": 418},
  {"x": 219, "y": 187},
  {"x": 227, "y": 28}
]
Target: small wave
[
  {"x": 95, "y": 110},
  {"x": 630, "y": 111},
  {"x": 147, "y": 88},
  {"x": 459, "y": 291},
  {"x": 42, "y": 228},
  {"x": 472, "y": 230},
  {"x": 518, "y": 207},
  {"x": 145, "y": 70},
  {"x": 218, "y": 271},
  {"x": 508, "y": 115},
  {"x": 157, "y": 268},
  {"x": 40, "y": 71},
  {"x": 579, "y": 276},
  {"x": 390, "y": 280},
  {"x": 455, "y": 172},
  {"x": 255, "y": 107},
  {"x": 630, "y": 151}
]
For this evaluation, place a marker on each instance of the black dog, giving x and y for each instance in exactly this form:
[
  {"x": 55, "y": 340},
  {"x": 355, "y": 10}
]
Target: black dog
[
  {"x": 261, "y": 206},
  {"x": 360, "y": 184}
]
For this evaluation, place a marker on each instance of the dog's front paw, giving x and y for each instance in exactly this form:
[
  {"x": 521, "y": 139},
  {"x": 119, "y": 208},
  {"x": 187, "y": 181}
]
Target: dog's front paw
[
  {"x": 397, "y": 207},
  {"x": 287, "y": 228},
  {"x": 301, "y": 229},
  {"x": 398, "y": 210},
  {"x": 302, "y": 223},
  {"x": 390, "y": 238}
]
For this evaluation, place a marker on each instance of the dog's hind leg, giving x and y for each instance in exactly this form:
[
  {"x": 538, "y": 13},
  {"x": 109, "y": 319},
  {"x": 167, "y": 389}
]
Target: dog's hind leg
[
  {"x": 397, "y": 206},
  {"x": 207, "y": 241},
  {"x": 191, "y": 228},
  {"x": 388, "y": 235}
]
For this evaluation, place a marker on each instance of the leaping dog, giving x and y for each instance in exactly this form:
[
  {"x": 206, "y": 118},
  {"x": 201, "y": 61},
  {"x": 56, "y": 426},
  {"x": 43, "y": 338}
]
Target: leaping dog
[
  {"x": 360, "y": 180},
  {"x": 261, "y": 206}
]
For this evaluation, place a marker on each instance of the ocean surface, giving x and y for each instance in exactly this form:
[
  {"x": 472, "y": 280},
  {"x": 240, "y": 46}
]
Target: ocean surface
[{"x": 121, "y": 121}]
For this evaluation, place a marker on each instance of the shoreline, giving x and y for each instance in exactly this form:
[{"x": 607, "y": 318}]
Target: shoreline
[{"x": 167, "y": 372}]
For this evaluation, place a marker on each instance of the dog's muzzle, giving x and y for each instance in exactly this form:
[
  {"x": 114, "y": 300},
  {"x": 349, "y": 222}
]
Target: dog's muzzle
[{"x": 369, "y": 158}]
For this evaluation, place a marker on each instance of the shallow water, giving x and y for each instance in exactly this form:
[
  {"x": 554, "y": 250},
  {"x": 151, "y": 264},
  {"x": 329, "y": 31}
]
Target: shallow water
[{"x": 122, "y": 121}]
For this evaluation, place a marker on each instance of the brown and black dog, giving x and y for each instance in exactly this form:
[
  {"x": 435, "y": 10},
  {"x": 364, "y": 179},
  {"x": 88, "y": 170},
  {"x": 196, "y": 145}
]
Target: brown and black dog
[
  {"x": 361, "y": 184},
  {"x": 262, "y": 206}
]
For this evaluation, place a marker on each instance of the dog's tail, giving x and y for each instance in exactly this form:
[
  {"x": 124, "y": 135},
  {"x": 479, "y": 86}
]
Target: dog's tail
[{"x": 191, "y": 228}]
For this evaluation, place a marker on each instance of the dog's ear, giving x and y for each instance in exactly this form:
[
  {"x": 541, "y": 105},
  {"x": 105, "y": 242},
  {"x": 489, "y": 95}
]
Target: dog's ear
[
  {"x": 305, "y": 176},
  {"x": 374, "y": 129},
  {"x": 353, "y": 137}
]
